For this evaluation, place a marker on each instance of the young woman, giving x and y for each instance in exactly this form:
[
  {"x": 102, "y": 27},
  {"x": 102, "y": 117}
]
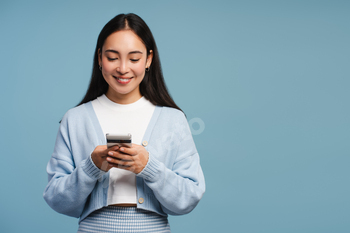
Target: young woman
[{"x": 125, "y": 189}]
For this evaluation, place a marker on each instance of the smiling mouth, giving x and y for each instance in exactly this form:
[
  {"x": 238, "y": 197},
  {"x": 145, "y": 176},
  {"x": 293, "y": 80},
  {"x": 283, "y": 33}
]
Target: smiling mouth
[{"x": 123, "y": 80}]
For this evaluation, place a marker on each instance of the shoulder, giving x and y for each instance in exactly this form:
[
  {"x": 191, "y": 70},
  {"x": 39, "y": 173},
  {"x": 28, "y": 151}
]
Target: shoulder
[
  {"x": 172, "y": 114},
  {"x": 78, "y": 113},
  {"x": 172, "y": 120}
]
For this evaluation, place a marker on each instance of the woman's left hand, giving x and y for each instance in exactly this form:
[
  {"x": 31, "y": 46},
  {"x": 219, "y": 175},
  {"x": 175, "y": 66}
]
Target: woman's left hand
[{"x": 133, "y": 159}]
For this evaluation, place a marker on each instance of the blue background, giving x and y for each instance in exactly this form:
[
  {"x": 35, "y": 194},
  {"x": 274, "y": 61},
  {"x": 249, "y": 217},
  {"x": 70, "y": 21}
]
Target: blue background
[{"x": 270, "y": 80}]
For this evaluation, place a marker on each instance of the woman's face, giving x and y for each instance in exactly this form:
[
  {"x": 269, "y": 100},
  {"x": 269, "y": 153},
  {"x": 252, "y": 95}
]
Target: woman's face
[{"x": 123, "y": 60}]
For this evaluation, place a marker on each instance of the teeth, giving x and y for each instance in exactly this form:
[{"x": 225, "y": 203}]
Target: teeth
[{"x": 123, "y": 79}]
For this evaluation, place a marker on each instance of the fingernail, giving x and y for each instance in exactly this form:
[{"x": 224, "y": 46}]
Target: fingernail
[
  {"x": 122, "y": 149},
  {"x": 110, "y": 153}
]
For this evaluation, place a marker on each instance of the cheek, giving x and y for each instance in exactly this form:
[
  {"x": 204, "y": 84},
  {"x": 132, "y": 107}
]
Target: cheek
[
  {"x": 108, "y": 67},
  {"x": 139, "y": 69}
]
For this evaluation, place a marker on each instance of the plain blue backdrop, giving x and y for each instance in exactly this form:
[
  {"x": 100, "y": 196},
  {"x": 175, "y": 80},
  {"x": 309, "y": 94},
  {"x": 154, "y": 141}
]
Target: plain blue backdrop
[{"x": 269, "y": 79}]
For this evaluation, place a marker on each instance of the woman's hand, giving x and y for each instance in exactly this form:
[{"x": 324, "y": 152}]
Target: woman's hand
[
  {"x": 133, "y": 159},
  {"x": 99, "y": 156}
]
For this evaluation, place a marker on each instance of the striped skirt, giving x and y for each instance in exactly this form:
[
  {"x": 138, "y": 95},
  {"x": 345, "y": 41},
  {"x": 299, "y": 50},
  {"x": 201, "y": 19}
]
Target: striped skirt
[{"x": 124, "y": 219}]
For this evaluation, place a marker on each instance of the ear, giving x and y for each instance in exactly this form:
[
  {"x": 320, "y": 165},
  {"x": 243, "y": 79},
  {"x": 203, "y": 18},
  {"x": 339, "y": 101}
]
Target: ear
[{"x": 149, "y": 59}]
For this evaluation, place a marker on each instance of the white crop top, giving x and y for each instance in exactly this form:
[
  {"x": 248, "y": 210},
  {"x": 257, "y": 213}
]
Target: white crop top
[{"x": 117, "y": 118}]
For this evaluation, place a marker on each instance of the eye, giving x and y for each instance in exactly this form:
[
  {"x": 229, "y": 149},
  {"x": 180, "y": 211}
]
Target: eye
[
  {"x": 134, "y": 60},
  {"x": 111, "y": 59}
]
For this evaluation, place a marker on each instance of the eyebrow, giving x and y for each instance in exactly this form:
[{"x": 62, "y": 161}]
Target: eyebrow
[{"x": 114, "y": 51}]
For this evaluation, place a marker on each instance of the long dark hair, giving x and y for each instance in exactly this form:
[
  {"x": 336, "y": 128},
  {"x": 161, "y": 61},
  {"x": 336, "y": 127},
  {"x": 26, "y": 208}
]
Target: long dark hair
[{"x": 153, "y": 85}]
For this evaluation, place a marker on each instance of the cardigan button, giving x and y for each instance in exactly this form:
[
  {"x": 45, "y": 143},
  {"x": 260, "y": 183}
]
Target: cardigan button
[
  {"x": 141, "y": 200},
  {"x": 144, "y": 143}
]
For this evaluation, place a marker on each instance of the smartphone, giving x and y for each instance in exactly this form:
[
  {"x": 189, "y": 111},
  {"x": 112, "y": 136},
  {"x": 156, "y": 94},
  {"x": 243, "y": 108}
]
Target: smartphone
[{"x": 118, "y": 140}]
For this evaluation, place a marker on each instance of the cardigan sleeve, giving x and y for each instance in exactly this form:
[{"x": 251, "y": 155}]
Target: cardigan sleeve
[
  {"x": 180, "y": 187},
  {"x": 69, "y": 184}
]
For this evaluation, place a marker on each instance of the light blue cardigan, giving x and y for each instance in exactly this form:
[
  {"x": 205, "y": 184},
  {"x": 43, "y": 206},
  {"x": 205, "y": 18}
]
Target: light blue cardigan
[{"x": 171, "y": 183}]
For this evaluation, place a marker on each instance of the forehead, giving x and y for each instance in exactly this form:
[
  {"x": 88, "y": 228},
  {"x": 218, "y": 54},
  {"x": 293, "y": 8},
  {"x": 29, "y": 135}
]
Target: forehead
[{"x": 124, "y": 41}]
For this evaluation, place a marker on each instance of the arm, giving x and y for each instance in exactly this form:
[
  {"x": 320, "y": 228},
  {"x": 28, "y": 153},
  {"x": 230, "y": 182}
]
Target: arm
[
  {"x": 69, "y": 184},
  {"x": 178, "y": 187}
]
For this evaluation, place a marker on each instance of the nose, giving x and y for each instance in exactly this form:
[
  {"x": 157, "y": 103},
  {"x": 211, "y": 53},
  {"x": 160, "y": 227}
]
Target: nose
[{"x": 122, "y": 68}]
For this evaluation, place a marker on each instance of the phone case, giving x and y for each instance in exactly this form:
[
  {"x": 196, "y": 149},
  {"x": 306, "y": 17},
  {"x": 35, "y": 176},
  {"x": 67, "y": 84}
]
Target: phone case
[{"x": 120, "y": 140}]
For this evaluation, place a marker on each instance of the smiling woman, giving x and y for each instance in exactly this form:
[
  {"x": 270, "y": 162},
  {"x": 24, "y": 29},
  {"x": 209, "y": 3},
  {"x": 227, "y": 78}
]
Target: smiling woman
[
  {"x": 120, "y": 188},
  {"x": 123, "y": 61},
  {"x": 152, "y": 87}
]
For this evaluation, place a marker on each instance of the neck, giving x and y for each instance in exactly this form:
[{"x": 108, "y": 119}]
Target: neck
[{"x": 123, "y": 98}]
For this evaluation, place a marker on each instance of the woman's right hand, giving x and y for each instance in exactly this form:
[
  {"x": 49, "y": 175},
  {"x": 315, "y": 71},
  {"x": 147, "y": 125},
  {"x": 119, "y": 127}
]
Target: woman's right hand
[{"x": 99, "y": 156}]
